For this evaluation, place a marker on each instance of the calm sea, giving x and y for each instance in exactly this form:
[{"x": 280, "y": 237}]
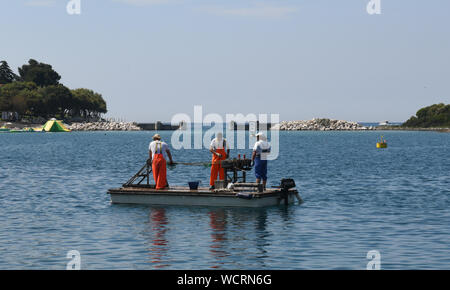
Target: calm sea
[{"x": 356, "y": 198}]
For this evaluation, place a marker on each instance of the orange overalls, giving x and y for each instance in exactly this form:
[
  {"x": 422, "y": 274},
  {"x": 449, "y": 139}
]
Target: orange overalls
[
  {"x": 159, "y": 167},
  {"x": 216, "y": 166}
]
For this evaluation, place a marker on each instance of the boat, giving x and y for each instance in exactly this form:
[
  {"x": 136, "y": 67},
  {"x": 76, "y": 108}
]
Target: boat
[
  {"x": 232, "y": 192},
  {"x": 384, "y": 123}
]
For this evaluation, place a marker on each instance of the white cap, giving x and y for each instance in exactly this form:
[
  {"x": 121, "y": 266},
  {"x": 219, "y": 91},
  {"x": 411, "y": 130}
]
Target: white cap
[
  {"x": 219, "y": 136},
  {"x": 261, "y": 136}
]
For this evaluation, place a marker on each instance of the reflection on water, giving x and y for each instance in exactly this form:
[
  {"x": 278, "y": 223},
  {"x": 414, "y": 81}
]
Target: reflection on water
[
  {"x": 159, "y": 244},
  {"x": 261, "y": 229},
  {"x": 218, "y": 222},
  {"x": 228, "y": 236}
]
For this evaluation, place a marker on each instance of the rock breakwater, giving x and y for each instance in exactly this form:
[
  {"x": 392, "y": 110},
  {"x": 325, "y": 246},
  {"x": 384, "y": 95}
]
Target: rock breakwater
[
  {"x": 318, "y": 124},
  {"x": 104, "y": 126}
]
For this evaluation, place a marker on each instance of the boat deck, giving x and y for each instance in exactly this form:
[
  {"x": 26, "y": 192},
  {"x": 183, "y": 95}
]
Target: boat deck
[
  {"x": 179, "y": 195},
  {"x": 182, "y": 190}
]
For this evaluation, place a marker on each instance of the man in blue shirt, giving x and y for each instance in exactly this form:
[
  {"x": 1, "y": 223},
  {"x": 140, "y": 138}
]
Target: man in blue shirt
[{"x": 259, "y": 158}]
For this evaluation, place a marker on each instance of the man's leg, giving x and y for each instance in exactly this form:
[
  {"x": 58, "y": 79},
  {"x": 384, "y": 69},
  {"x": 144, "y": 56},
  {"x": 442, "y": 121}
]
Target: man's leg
[
  {"x": 162, "y": 177},
  {"x": 214, "y": 172},
  {"x": 258, "y": 171},
  {"x": 155, "y": 170},
  {"x": 221, "y": 173},
  {"x": 264, "y": 171}
]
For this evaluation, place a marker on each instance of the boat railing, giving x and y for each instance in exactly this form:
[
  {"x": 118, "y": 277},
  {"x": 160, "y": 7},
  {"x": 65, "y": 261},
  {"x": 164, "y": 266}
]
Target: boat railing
[{"x": 142, "y": 175}]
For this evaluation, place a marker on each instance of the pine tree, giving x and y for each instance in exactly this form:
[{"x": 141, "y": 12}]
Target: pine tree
[
  {"x": 41, "y": 74},
  {"x": 6, "y": 74}
]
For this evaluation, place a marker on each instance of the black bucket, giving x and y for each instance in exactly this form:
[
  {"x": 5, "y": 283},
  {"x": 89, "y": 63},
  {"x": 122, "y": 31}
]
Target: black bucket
[{"x": 193, "y": 185}]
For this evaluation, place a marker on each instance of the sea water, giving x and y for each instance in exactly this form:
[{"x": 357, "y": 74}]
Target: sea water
[{"x": 356, "y": 199}]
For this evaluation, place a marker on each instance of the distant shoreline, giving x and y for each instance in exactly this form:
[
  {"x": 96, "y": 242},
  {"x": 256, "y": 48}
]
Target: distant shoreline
[
  {"x": 395, "y": 128},
  {"x": 21, "y": 125}
]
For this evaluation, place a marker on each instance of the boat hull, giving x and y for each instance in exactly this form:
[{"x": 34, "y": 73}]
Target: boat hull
[{"x": 200, "y": 198}]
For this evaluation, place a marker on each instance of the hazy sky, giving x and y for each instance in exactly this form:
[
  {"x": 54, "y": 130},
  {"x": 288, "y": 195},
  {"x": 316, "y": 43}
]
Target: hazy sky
[{"x": 302, "y": 59}]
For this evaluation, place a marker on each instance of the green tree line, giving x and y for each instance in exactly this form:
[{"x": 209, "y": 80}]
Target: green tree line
[
  {"x": 437, "y": 115},
  {"x": 37, "y": 92}
]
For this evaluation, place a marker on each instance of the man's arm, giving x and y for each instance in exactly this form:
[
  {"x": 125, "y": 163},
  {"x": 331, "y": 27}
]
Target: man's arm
[
  {"x": 170, "y": 156},
  {"x": 149, "y": 160},
  {"x": 255, "y": 150},
  {"x": 214, "y": 152}
]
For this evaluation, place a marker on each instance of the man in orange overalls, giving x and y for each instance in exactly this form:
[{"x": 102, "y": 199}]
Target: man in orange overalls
[
  {"x": 157, "y": 151},
  {"x": 217, "y": 148}
]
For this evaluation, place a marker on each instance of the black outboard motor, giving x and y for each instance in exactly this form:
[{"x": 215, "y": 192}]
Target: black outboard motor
[{"x": 287, "y": 183}]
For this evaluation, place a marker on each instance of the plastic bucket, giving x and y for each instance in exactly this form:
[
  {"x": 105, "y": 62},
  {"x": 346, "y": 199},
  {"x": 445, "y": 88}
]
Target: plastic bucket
[{"x": 193, "y": 184}]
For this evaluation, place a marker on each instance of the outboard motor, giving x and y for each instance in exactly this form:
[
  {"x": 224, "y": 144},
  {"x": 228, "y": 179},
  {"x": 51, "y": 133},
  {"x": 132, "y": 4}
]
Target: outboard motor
[{"x": 287, "y": 183}]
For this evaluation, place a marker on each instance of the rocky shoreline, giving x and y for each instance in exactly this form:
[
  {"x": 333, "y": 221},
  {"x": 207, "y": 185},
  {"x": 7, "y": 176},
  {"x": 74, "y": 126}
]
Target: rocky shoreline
[
  {"x": 318, "y": 124},
  {"x": 400, "y": 128},
  {"x": 104, "y": 126},
  {"x": 311, "y": 125}
]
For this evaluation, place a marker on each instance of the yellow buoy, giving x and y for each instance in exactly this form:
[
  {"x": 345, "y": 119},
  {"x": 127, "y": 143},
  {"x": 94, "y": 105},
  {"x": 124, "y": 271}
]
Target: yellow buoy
[{"x": 382, "y": 143}]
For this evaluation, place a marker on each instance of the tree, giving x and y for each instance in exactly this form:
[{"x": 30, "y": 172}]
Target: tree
[
  {"x": 437, "y": 115},
  {"x": 19, "y": 104},
  {"x": 88, "y": 103},
  {"x": 40, "y": 73},
  {"x": 57, "y": 99},
  {"x": 37, "y": 92},
  {"x": 13, "y": 96},
  {"x": 6, "y": 74}
]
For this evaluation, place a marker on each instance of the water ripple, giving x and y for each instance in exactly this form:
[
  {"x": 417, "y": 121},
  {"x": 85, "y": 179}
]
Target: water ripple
[{"x": 357, "y": 198}]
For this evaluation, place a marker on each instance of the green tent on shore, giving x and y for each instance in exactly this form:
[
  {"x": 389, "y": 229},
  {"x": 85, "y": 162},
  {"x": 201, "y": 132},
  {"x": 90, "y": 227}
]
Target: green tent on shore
[{"x": 54, "y": 125}]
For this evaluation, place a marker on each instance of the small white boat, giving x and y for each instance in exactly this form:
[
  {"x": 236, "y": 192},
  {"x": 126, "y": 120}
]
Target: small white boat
[
  {"x": 384, "y": 123},
  {"x": 204, "y": 197},
  {"x": 241, "y": 194}
]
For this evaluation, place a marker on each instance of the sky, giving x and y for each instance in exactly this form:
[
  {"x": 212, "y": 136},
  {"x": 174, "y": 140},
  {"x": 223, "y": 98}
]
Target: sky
[{"x": 301, "y": 59}]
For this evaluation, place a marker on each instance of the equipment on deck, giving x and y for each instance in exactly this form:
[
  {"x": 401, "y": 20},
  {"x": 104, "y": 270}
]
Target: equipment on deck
[
  {"x": 140, "y": 176},
  {"x": 234, "y": 167},
  {"x": 193, "y": 185}
]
